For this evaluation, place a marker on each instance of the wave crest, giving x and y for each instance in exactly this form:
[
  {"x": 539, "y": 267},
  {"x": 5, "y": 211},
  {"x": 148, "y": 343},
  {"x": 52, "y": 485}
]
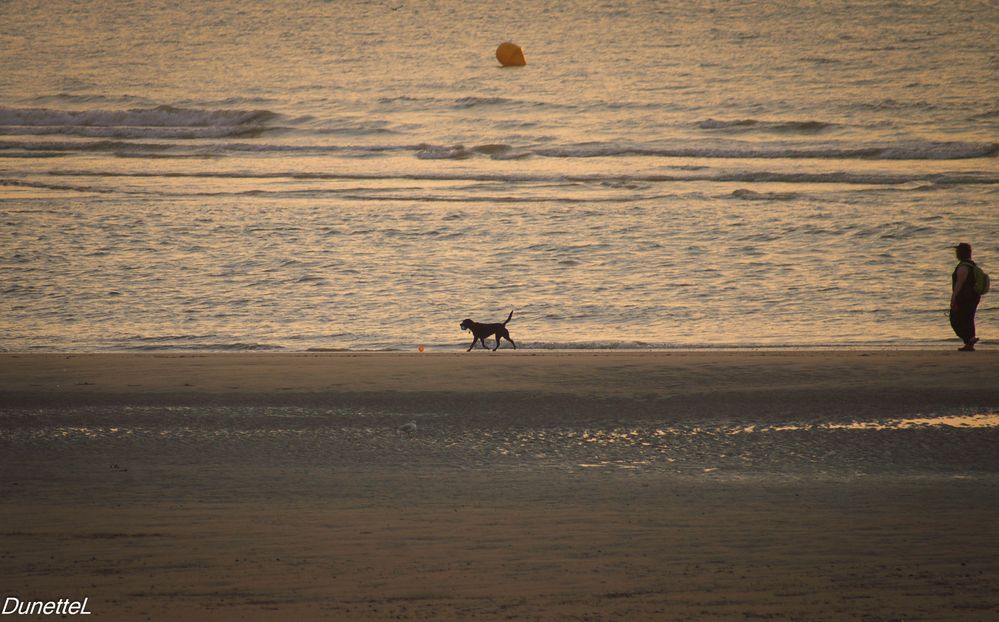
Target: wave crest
[
  {"x": 424, "y": 151},
  {"x": 809, "y": 127},
  {"x": 160, "y": 116},
  {"x": 749, "y": 195},
  {"x": 436, "y": 152}
]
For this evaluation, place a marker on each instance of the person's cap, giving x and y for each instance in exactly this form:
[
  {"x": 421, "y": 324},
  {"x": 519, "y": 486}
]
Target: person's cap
[{"x": 963, "y": 247}]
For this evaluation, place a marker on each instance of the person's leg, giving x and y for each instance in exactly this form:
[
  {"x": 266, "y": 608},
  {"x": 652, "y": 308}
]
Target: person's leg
[
  {"x": 963, "y": 322},
  {"x": 957, "y": 323},
  {"x": 972, "y": 333}
]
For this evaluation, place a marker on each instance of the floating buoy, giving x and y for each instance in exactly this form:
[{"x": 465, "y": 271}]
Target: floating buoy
[
  {"x": 421, "y": 348},
  {"x": 510, "y": 55}
]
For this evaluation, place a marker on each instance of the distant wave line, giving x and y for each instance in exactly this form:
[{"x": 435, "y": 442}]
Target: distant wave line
[
  {"x": 777, "y": 126},
  {"x": 474, "y": 101},
  {"x": 131, "y": 131},
  {"x": 135, "y": 132},
  {"x": 212, "y": 148},
  {"x": 914, "y": 151},
  {"x": 901, "y": 151},
  {"x": 354, "y": 194},
  {"x": 941, "y": 179},
  {"x": 160, "y": 116}
]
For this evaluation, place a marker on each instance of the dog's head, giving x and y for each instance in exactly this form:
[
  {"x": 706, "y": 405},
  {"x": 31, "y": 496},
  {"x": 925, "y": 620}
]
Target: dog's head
[{"x": 466, "y": 324}]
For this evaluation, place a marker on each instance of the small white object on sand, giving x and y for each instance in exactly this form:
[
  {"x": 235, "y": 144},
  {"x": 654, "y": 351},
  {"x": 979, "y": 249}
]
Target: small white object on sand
[{"x": 408, "y": 428}]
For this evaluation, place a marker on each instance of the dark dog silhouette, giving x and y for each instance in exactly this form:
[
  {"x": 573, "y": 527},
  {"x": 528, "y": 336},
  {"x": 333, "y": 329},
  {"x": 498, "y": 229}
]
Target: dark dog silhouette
[{"x": 481, "y": 331}]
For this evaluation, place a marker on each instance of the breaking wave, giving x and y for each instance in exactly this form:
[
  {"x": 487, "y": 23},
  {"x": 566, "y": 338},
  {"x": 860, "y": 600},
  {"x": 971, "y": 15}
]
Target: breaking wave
[
  {"x": 323, "y": 184},
  {"x": 166, "y": 128}
]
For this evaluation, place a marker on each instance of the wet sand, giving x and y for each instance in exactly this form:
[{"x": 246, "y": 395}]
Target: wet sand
[{"x": 545, "y": 486}]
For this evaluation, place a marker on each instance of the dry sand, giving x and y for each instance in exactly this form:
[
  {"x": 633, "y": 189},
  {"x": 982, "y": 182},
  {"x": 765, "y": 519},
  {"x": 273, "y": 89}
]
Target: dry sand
[{"x": 552, "y": 486}]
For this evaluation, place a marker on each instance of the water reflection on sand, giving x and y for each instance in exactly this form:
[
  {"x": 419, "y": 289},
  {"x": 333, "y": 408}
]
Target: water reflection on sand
[
  {"x": 977, "y": 420},
  {"x": 954, "y": 441}
]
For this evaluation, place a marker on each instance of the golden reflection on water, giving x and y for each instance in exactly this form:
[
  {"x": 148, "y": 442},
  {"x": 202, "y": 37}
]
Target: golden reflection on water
[
  {"x": 518, "y": 441},
  {"x": 980, "y": 420},
  {"x": 949, "y": 442}
]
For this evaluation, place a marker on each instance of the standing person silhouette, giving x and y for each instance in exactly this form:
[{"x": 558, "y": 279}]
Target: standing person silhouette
[{"x": 964, "y": 299}]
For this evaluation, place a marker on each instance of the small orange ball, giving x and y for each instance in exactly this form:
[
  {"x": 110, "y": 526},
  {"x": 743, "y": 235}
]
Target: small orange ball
[
  {"x": 420, "y": 348},
  {"x": 510, "y": 55}
]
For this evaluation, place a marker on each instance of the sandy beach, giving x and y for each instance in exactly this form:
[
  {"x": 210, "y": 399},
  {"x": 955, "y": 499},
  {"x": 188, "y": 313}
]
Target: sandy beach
[{"x": 537, "y": 486}]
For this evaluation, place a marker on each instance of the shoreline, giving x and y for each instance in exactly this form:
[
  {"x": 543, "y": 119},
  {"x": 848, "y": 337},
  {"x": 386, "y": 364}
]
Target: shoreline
[{"x": 930, "y": 345}]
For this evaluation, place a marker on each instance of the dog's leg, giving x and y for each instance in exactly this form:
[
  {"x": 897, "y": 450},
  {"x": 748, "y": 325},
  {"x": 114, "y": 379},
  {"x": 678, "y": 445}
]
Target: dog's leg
[
  {"x": 484, "y": 346},
  {"x": 474, "y": 339},
  {"x": 507, "y": 337},
  {"x": 497, "y": 343}
]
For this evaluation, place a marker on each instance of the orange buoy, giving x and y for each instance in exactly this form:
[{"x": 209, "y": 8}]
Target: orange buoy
[
  {"x": 510, "y": 55},
  {"x": 421, "y": 348}
]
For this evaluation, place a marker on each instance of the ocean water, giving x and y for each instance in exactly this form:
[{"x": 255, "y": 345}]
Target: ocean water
[{"x": 323, "y": 175}]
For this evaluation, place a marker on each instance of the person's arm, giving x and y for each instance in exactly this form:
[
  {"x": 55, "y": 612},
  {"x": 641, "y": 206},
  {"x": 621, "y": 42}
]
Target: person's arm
[{"x": 962, "y": 274}]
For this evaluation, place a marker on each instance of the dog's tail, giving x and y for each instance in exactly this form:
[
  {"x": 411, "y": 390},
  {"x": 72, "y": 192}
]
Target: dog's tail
[{"x": 508, "y": 318}]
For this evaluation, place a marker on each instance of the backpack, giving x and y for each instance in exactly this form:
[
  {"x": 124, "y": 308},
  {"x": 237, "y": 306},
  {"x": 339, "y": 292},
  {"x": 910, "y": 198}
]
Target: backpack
[{"x": 981, "y": 281}]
